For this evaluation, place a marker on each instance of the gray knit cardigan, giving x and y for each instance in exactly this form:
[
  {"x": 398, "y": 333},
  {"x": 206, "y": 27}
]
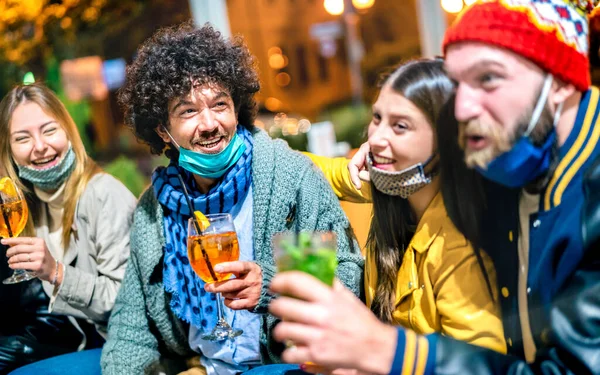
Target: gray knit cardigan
[{"x": 143, "y": 331}]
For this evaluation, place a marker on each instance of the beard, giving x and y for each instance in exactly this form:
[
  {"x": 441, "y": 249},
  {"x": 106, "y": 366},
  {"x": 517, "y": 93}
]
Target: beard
[{"x": 500, "y": 140}]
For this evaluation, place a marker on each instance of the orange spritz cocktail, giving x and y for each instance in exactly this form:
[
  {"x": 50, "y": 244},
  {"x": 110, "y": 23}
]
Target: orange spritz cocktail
[{"x": 219, "y": 247}]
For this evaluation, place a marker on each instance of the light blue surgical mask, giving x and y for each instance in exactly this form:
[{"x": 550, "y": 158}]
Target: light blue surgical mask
[
  {"x": 51, "y": 178},
  {"x": 524, "y": 162},
  {"x": 210, "y": 165}
]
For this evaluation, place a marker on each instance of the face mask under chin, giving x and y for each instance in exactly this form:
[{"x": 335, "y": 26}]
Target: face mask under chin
[{"x": 402, "y": 183}]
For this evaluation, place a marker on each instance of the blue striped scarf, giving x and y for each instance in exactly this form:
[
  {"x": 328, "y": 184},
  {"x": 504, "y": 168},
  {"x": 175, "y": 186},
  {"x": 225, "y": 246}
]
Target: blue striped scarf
[{"x": 189, "y": 301}]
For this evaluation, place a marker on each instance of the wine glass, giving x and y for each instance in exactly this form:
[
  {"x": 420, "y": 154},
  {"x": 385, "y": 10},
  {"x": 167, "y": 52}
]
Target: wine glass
[
  {"x": 216, "y": 244},
  {"x": 310, "y": 252},
  {"x": 13, "y": 219}
]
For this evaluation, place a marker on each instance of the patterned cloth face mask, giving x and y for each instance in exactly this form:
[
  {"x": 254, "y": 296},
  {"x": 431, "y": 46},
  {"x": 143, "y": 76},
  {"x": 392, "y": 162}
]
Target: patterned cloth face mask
[
  {"x": 50, "y": 178},
  {"x": 403, "y": 183}
]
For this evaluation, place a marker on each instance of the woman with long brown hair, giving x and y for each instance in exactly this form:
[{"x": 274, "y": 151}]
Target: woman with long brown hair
[
  {"x": 420, "y": 271},
  {"x": 77, "y": 238}
]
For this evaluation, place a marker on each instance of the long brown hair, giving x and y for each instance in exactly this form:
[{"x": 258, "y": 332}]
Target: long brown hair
[
  {"x": 85, "y": 167},
  {"x": 424, "y": 83}
]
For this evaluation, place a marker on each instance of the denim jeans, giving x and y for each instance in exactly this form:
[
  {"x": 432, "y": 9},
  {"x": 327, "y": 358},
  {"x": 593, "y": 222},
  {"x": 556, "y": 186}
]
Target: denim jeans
[
  {"x": 84, "y": 362},
  {"x": 276, "y": 370},
  {"x": 88, "y": 362}
]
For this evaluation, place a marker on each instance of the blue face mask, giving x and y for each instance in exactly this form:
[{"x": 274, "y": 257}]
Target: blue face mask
[
  {"x": 211, "y": 165},
  {"x": 51, "y": 178},
  {"x": 524, "y": 162}
]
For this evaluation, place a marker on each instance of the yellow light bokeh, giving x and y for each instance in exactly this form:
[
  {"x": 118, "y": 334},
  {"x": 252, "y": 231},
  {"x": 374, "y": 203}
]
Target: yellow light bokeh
[
  {"x": 363, "y": 4},
  {"x": 470, "y": 2},
  {"x": 452, "y": 6},
  {"x": 280, "y": 118},
  {"x": 90, "y": 14},
  {"x": 290, "y": 127},
  {"x": 334, "y": 7},
  {"x": 278, "y": 61},
  {"x": 283, "y": 79},
  {"x": 32, "y": 8},
  {"x": 274, "y": 51},
  {"x": 66, "y": 22},
  {"x": 304, "y": 126},
  {"x": 273, "y": 104}
]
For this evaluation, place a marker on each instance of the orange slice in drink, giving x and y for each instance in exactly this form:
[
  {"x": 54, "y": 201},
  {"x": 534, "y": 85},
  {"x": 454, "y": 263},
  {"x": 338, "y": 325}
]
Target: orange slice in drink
[
  {"x": 7, "y": 186},
  {"x": 202, "y": 220}
]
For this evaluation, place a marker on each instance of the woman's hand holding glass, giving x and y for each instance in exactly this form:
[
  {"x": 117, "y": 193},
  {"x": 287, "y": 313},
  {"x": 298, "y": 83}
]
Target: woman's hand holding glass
[
  {"x": 32, "y": 254},
  {"x": 13, "y": 219}
]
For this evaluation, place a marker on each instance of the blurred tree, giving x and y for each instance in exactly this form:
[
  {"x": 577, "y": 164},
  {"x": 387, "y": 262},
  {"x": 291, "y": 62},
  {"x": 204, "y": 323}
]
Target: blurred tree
[
  {"x": 127, "y": 171},
  {"x": 32, "y": 32},
  {"x": 350, "y": 121}
]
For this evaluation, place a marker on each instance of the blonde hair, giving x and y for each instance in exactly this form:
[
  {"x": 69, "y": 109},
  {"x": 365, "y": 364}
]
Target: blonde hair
[{"x": 85, "y": 167}]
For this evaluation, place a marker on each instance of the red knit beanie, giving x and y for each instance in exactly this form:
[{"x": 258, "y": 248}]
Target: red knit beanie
[{"x": 551, "y": 33}]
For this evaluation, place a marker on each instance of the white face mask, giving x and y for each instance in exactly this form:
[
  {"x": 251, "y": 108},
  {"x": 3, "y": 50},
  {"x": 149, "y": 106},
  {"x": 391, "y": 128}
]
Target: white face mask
[{"x": 403, "y": 183}]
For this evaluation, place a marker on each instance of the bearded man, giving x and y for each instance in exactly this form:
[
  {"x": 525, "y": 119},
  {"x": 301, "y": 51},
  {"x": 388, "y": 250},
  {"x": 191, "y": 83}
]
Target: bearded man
[{"x": 528, "y": 122}]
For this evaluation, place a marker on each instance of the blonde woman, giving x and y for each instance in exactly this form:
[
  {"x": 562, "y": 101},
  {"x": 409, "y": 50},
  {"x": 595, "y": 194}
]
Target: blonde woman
[{"x": 77, "y": 238}]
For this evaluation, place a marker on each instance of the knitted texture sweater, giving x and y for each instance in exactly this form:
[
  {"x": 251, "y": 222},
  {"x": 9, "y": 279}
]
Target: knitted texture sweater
[{"x": 143, "y": 331}]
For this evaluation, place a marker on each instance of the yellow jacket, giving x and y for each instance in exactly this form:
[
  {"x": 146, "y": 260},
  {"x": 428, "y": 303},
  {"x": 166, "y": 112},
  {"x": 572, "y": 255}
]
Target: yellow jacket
[{"x": 440, "y": 286}]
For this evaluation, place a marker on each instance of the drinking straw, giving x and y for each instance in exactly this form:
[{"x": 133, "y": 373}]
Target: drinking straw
[
  {"x": 5, "y": 215},
  {"x": 297, "y": 223},
  {"x": 197, "y": 225}
]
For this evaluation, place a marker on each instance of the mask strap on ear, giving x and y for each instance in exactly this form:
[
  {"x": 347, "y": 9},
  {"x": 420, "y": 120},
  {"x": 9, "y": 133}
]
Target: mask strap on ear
[
  {"x": 170, "y": 136},
  {"x": 429, "y": 160},
  {"x": 539, "y": 107},
  {"x": 435, "y": 168},
  {"x": 558, "y": 112}
]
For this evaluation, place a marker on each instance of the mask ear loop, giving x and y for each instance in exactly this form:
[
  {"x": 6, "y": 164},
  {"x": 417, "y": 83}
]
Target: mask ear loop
[
  {"x": 171, "y": 137},
  {"x": 434, "y": 171},
  {"x": 539, "y": 107},
  {"x": 558, "y": 113}
]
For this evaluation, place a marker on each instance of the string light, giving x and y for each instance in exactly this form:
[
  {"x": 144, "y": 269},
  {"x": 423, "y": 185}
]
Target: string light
[
  {"x": 452, "y": 6},
  {"x": 363, "y": 4},
  {"x": 334, "y": 7}
]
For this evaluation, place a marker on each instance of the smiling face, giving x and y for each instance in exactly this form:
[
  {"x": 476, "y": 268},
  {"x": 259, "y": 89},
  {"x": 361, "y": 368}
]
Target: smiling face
[
  {"x": 496, "y": 92},
  {"x": 37, "y": 140},
  {"x": 399, "y": 133},
  {"x": 204, "y": 121}
]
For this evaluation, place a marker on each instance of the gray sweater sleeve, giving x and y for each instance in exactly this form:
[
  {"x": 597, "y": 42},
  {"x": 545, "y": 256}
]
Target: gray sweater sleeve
[
  {"x": 330, "y": 216},
  {"x": 131, "y": 347},
  {"x": 317, "y": 209}
]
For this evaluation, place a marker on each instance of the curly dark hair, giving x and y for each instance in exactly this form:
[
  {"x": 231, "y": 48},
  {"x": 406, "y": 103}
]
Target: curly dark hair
[{"x": 168, "y": 63}]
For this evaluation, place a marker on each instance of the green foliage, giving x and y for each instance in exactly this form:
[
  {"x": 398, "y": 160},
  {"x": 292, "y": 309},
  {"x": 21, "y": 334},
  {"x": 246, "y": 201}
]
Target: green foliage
[
  {"x": 303, "y": 255},
  {"x": 297, "y": 142},
  {"x": 350, "y": 122},
  {"x": 126, "y": 171}
]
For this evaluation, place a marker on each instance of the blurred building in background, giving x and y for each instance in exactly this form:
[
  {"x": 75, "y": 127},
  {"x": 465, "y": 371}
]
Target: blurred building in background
[
  {"x": 302, "y": 48},
  {"x": 319, "y": 62}
]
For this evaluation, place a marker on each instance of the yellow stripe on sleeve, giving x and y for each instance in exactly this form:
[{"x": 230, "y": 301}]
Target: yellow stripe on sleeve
[
  {"x": 587, "y": 151},
  {"x": 410, "y": 349},
  {"x": 574, "y": 148},
  {"x": 422, "y": 356}
]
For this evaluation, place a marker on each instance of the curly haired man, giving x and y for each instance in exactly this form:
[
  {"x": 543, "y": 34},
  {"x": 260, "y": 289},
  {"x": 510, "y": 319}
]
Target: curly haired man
[{"x": 190, "y": 92}]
